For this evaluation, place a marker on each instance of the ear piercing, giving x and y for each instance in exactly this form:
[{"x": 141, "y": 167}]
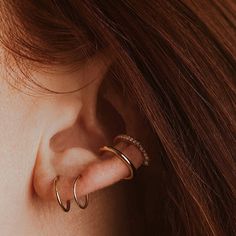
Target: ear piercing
[
  {"x": 64, "y": 208},
  {"x": 118, "y": 154},
  {"x": 67, "y": 207},
  {"x": 123, "y": 157},
  {"x": 82, "y": 206}
]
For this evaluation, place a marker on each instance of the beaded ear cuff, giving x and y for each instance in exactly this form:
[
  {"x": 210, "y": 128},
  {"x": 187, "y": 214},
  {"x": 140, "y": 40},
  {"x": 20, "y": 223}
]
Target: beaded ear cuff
[{"x": 131, "y": 140}]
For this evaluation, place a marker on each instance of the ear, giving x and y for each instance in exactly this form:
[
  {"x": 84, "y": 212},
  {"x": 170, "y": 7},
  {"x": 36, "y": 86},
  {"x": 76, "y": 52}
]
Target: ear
[
  {"x": 70, "y": 141},
  {"x": 68, "y": 155}
]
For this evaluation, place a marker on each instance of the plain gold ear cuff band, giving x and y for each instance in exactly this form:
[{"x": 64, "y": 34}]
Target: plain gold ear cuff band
[
  {"x": 64, "y": 208},
  {"x": 122, "y": 157}
]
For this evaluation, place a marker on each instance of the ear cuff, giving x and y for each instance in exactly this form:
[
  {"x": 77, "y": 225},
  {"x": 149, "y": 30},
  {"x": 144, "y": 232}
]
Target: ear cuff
[
  {"x": 131, "y": 140},
  {"x": 124, "y": 158}
]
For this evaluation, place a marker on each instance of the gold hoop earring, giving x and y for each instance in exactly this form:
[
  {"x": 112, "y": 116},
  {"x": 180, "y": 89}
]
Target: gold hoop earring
[
  {"x": 82, "y": 206},
  {"x": 122, "y": 157},
  {"x": 67, "y": 208}
]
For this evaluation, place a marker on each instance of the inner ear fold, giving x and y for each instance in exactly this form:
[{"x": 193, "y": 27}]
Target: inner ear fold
[
  {"x": 110, "y": 118},
  {"x": 107, "y": 112}
]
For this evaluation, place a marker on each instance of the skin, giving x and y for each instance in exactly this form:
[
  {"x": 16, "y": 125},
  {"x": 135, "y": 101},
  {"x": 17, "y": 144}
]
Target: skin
[{"x": 45, "y": 135}]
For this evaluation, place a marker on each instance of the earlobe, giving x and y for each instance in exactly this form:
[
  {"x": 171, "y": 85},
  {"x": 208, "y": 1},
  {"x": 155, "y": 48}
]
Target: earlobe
[{"x": 65, "y": 164}]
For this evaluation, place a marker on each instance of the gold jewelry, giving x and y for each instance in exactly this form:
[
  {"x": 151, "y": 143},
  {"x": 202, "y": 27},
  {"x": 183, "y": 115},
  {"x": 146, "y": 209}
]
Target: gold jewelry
[
  {"x": 67, "y": 208},
  {"x": 122, "y": 157},
  {"x": 75, "y": 195},
  {"x": 131, "y": 140}
]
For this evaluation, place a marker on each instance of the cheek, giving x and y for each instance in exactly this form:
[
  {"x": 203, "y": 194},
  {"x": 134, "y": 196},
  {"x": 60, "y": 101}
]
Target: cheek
[{"x": 19, "y": 136}]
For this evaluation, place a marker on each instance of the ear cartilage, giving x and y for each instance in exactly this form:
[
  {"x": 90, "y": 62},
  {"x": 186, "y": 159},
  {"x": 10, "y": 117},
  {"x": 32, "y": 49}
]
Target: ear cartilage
[
  {"x": 131, "y": 140},
  {"x": 122, "y": 157}
]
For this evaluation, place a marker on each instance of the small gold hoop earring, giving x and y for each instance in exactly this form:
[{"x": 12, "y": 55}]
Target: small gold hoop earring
[
  {"x": 82, "y": 206},
  {"x": 67, "y": 208}
]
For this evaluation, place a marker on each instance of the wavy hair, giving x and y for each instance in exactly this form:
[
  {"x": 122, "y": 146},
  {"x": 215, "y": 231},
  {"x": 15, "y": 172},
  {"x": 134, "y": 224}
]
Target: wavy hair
[{"x": 177, "y": 58}]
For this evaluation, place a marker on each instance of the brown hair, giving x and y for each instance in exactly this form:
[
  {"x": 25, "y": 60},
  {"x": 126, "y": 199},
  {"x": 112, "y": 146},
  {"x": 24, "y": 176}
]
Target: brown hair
[{"x": 178, "y": 60}]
